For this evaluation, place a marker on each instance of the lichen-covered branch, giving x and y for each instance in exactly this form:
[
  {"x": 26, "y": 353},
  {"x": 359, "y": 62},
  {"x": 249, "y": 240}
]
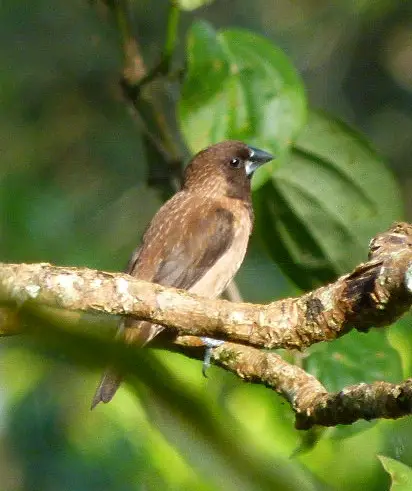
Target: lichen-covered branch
[{"x": 374, "y": 294}]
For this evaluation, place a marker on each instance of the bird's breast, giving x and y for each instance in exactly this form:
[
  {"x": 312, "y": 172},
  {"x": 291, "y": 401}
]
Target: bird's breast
[{"x": 217, "y": 278}]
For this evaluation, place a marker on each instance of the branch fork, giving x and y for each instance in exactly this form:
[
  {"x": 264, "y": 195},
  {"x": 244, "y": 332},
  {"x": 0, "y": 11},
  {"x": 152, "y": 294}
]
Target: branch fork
[{"x": 374, "y": 294}]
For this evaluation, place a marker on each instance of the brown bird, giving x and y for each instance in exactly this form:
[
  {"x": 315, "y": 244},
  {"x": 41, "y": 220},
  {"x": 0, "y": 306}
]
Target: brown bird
[{"x": 198, "y": 239}]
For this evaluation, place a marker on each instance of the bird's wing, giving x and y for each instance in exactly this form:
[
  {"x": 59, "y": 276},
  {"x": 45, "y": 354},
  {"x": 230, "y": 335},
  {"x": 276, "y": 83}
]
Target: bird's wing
[
  {"x": 184, "y": 242},
  {"x": 201, "y": 243}
]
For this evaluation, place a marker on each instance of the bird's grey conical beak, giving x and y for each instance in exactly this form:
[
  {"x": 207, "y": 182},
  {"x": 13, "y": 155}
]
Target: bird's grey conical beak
[{"x": 257, "y": 158}]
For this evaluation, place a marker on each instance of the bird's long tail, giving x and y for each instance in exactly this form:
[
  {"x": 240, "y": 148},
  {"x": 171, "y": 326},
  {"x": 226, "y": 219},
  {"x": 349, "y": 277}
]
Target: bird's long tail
[
  {"x": 111, "y": 378},
  {"x": 133, "y": 332}
]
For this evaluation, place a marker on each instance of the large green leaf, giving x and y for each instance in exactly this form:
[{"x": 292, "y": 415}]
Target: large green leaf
[
  {"x": 400, "y": 473},
  {"x": 239, "y": 86},
  {"x": 320, "y": 209}
]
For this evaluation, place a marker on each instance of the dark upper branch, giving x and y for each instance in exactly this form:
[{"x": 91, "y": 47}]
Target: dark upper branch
[{"x": 374, "y": 294}]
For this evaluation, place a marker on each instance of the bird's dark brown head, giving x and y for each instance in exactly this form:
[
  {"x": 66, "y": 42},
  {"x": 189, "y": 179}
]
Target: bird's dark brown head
[{"x": 224, "y": 169}]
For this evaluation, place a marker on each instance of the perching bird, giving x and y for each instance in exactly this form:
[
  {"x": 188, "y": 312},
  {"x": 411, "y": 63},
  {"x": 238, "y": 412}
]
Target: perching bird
[{"x": 198, "y": 239}]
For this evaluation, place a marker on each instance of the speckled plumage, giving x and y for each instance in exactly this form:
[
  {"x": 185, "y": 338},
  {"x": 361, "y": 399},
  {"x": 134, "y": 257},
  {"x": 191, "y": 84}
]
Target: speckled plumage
[{"x": 196, "y": 241}]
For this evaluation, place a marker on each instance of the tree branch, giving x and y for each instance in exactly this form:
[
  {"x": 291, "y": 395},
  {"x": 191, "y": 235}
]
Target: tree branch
[
  {"x": 375, "y": 293},
  {"x": 309, "y": 399},
  {"x": 135, "y": 76}
]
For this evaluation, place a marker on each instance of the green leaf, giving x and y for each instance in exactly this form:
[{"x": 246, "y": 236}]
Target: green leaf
[
  {"x": 400, "y": 473},
  {"x": 318, "y": 212},
  {"x": 239, "y": 86},
  {"x": 352, "y": 359},
  {"x": 399, "y": 335},
  {"x": 192, "y": 4}
]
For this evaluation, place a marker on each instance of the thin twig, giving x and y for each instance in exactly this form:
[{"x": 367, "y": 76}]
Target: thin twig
[
  {"x": 135, "y": 72},
  {"x": 162, "y": 68},
  {"x": 232, "y": 293}
]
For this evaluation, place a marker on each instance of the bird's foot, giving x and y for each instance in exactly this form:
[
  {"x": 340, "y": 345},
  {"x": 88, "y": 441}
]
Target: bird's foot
[{"x": 210, "y": 345}]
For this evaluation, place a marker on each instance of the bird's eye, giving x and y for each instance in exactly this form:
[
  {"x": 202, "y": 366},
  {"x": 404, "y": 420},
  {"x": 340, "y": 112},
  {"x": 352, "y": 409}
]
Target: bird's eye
[{"x": 235, "y": 163}]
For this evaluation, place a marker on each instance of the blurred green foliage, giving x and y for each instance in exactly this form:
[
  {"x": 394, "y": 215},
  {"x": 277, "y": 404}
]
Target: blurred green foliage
[{"x": 77, "y": 189}]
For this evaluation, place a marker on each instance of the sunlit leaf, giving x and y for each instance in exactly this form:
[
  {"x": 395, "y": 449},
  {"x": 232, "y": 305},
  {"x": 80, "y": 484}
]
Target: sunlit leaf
[
  {"x": 239, "y": 86},
  {"x": 400, "y": 473},
  {"x": 318, "y": 212}
]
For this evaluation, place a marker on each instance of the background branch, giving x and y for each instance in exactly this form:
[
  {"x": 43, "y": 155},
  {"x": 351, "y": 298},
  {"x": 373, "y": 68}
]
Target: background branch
[{"x": 147, "y": 109}]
